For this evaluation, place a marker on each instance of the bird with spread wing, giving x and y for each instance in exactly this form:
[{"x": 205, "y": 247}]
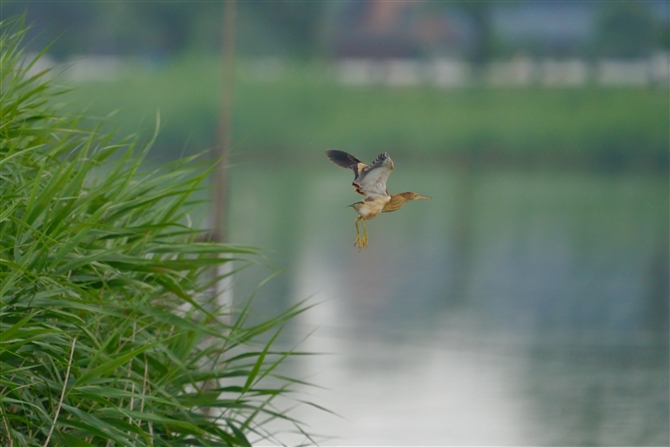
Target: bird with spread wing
[{"x": 370, "y": 181}]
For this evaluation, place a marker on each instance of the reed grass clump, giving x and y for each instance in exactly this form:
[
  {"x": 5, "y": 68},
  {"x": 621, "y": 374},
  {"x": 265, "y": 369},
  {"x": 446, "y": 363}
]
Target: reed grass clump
[{"x": 106, "y": 334}]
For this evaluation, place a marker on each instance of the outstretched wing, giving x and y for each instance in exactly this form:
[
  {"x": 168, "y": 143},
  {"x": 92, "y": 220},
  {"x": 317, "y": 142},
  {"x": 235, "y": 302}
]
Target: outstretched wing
[
  {"x": 368, "y": 180},
  {"x": 371, "y": 181},
  {"x": 345, "y": 160}
]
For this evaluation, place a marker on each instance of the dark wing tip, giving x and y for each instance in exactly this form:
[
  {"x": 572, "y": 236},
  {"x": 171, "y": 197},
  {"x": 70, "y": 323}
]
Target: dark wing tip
[
  {"x": 342, "y": 159},
  {"x": 381, "y": 157},
  {"x": 378, "y": 161}
]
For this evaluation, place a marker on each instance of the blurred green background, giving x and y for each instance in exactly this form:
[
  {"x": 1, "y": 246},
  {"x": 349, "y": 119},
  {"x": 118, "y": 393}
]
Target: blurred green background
[
  {"x": 568, "y": 80},
  {"x": 306, "y": 110},
  {"x": 528, "y": 302}
]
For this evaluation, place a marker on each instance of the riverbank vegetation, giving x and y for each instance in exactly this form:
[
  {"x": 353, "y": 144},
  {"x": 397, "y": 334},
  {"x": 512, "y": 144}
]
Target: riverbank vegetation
[
  {"x": 301, "y": 109},
  {"x": 110, "y": 332}
]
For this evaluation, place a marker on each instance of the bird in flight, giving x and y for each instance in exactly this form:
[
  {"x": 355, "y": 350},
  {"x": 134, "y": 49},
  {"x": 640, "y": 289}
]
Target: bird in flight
[{"x": 370, "y": 181}]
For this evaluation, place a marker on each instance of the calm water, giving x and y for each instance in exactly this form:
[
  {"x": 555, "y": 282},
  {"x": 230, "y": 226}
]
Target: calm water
[{"x": 518, "y": 307}]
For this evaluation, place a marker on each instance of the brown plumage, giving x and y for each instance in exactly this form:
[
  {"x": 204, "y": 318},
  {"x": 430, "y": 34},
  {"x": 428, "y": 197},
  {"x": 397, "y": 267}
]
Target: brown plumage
[{"x": 370, "y": 181}]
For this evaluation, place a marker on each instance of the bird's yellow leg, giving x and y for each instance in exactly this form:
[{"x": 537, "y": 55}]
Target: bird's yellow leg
[
  {"x": 358, "y": 234},
  {"x": 365, "y": 235}
]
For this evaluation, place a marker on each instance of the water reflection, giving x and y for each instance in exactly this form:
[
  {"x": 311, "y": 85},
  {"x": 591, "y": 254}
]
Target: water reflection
[{"x": 517, "y": 307}]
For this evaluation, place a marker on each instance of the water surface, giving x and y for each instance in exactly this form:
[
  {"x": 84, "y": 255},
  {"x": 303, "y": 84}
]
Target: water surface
[{"x": 519, "y": 307}]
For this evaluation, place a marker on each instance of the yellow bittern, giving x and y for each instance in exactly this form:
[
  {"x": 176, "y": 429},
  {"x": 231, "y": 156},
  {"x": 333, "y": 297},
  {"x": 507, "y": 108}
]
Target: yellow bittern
[{"x": 370, "y": 181}]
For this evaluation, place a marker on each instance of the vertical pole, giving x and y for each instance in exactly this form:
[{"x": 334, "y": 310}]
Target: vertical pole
[
  {"x": 220, "y": 207},
  {"x": 221, "y": 180},
  {"x": 223, "y": 292},
  {"x": 222, "y": 300}
]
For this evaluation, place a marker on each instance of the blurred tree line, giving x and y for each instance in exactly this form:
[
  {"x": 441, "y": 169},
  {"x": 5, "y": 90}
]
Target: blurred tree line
[
  {"x": 304, "y": 29},
  {"x": 156, "y": 28},
  {"x": 628, "y": 30}
]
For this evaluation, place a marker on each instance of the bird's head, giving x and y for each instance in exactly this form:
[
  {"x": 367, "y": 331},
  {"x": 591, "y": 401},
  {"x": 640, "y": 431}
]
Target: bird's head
[
  {"x": 409, "y": 196},
  {"x": 398, "y": 200}
]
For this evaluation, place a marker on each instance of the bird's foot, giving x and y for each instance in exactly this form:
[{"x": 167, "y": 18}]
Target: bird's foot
[{"x": 361, "y": 242}]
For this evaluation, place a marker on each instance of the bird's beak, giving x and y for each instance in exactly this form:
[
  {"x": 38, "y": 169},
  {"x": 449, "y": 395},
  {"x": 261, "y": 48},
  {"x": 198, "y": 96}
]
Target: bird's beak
[{"x": 420, "y": 197}]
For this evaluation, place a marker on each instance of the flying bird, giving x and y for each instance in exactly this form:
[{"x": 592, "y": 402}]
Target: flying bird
[{"x": 370, "y": 181}]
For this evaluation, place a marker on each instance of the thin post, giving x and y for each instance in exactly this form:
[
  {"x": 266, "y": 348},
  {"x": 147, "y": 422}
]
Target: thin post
[
  {"x": 221, "y": 194},
  {"x": 223, "y": 293},
  {"x": 221, "y": 181}
]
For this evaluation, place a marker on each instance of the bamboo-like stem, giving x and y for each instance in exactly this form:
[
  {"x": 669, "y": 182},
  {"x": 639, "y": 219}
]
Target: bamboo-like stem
[
  {"x": 62, "y": 394},
  {"x": 4, "y": 420},
  {"x": 9, "y": 436},
  {"x": 144, "y": 391},
  {"x": 130, "y": 367}
]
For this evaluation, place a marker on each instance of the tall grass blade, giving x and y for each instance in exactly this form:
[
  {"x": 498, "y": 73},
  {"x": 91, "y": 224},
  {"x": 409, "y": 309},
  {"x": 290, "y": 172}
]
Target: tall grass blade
[{"x": 95, "y": 247}]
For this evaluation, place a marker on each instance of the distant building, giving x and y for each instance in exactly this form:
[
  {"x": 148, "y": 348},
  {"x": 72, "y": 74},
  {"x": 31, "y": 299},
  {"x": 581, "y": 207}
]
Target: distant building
[
  {"x": 556, "y": 29},
  {"x": 402, "y": 29},
  {"x": 407, "y": 29}
]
